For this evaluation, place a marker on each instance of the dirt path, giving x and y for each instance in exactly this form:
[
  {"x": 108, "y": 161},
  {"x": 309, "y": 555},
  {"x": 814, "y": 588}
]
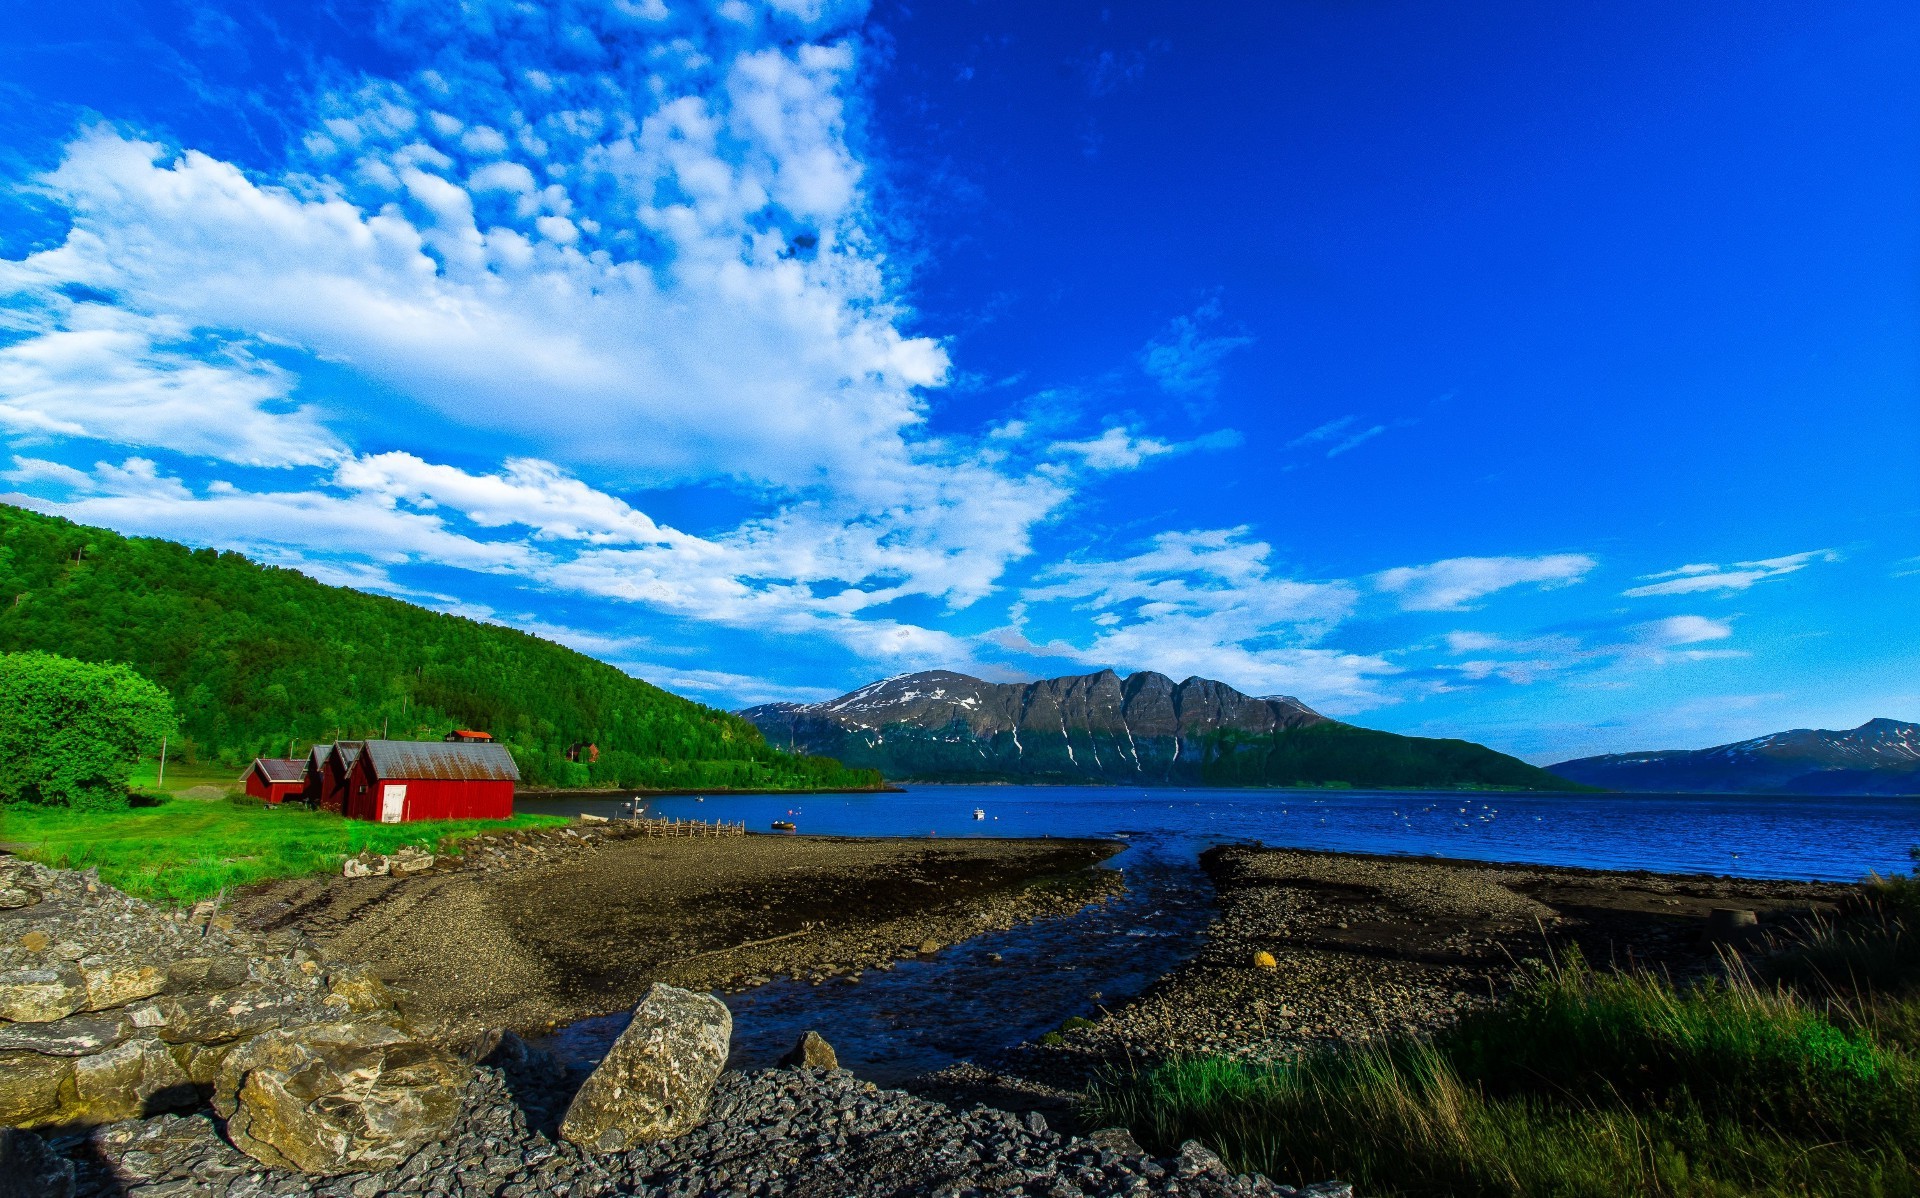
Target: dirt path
[{"x": 553, "y": 942}]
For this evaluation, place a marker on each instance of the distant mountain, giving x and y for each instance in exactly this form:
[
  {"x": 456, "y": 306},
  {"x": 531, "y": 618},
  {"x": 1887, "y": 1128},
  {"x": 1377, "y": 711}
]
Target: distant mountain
[
  {"x": 1879, "y": 757},
  {"x": 1144, "y": 730}
]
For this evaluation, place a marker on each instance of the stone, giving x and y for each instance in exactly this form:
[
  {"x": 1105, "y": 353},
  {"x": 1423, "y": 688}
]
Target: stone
[
  {"x": 30, "y": 1087},
  {"x": 112, "y": 984},
  {"x": 353, "y": 867},
  {"x": 1196, "y": 1158},
  {"x": 811, "y": 1051},
  {"x": 1117, "y": 1140},
  {"x": 206, "y": 973},
  {"x": 655, "y": 1080},
  {"x": 1265, "y": 960},
  {"x": 357, "y": 990},
  {"x": 338, "y": 1097},
  {"x": 930, "y": 947},
  {"x": 30, "y": 1169},
  {"x": 1327, "y": 1189},
  {"x": 74, "y": 1036},
  {"x": 128, "y": 1081},
  {"x": 231, "y": 1014},
  {"x": 411, "y": 864},
  {"x": 35, "y": 942},
  {"x": 14, "y": 897},
  {"x": 41, "y": 995}
]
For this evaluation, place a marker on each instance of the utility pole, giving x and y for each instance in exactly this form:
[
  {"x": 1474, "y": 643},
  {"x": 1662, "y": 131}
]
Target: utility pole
[
  {"x": 383, "y": 727},
  {"x": 162, "y": 779}
]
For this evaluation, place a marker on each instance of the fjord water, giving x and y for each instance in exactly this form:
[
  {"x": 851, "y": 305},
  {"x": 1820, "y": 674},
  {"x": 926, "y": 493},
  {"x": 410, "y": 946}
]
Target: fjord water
[{"x": 999, "y": 990}]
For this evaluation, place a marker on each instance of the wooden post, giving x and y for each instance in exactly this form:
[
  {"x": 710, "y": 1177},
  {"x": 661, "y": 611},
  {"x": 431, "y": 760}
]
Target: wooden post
[{"x": 161, "y": 781}]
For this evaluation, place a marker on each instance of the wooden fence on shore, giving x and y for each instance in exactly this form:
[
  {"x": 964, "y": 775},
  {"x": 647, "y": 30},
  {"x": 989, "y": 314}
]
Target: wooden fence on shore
[{"x": 687, "y": 827}]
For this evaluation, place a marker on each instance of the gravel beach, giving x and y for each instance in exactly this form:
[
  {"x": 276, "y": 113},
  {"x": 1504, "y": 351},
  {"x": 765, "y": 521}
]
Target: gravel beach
[
  {"x": 585, "y": 931},
  {"x": 1369, "y": 945}
]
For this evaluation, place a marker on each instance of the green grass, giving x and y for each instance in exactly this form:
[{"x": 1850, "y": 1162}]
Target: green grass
[
  {"x": 183, "y": 850},
  {"x": 1580, "y": 1083}
]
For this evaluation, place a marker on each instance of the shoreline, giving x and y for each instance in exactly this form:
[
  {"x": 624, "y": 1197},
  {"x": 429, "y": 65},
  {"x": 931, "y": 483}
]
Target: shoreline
[
  {"x": 603, "y": 792},
  {"x": 581, "y": 932},
  {"x": 1368, "y": 945}
]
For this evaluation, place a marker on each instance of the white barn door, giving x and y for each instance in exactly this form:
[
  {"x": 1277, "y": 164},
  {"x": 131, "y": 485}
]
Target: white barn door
[{"x": 393, "y": 803}]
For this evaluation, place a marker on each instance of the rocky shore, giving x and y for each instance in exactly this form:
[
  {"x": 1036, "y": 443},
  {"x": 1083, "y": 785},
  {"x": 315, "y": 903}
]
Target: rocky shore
[
  {"x": 803, "y": 1132},
  {"x": 1359, "y": 946},
  {"x": 164, "y": 1054},
  {"x": 531, "y": 929}
]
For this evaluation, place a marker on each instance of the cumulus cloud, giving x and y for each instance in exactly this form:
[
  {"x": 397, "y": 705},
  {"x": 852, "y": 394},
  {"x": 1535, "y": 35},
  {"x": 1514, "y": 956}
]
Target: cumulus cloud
[
  {"x": 1453, "y": 584},
  {"x": 1693, "y": 579},
  {"x": 1209, "y": 602}
]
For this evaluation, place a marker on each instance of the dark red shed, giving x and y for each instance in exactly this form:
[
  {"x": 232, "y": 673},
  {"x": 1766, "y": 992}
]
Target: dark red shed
[
  {"x": 327, "y": 770},
  {"x": 276, "y": 778},
  {"x": 397, "y": 781}
]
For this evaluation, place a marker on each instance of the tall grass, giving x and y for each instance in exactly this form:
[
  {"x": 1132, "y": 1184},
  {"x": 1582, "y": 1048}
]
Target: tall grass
[
  {"x": 1581, "y": 1083},
  {"x": 180, "y": 850}
]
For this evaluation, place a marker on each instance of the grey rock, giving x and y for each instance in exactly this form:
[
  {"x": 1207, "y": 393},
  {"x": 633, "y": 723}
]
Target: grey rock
[
  {"x": 337, "y": 1098},
  {"x": 41, "y": 995},
  {"x": 29, "y": 1169},
  {"x": 811, "y": 1052},
  {"x": 73, "y": 1036},
  {"x": 655, "y": 1080}
]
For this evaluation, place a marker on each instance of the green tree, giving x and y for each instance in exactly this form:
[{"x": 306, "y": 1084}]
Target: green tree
[{"x": 71, "y": 731}]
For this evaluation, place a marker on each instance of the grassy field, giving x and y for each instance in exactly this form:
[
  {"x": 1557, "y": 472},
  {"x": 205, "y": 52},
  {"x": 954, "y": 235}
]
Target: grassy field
[
  {"x": 182, "y": 850},
  {"x": 1797, "y": 1077}
]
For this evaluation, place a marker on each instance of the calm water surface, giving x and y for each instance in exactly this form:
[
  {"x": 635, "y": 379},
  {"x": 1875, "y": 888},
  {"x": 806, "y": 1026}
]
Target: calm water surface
[{"x": 924, "y": 1015}]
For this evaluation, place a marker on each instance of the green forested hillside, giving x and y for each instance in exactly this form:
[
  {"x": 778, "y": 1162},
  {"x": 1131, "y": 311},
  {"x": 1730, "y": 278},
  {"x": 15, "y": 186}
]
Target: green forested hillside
[
  {"x": 258, "y": 658},
  {"x": 1366, "y": 757}
]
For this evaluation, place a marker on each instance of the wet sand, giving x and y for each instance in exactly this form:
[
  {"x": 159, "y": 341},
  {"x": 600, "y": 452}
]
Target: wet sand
[{"x": 586, "y": 932}]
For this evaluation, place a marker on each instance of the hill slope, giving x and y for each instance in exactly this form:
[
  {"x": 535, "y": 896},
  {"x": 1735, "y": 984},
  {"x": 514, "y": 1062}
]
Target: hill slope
[
  {"x": 1879, "y": 757},
  {"x": 1145, "y": 729},
  {"x": 258, "y": 656}
]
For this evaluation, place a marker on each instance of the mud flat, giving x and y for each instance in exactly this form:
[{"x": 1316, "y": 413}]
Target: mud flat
[
  {"x": 1371, "y": 945},
  {"x": 582, "y": 932}
]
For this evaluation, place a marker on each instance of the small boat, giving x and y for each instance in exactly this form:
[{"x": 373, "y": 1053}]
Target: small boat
[
  {"x": 782, "y": 825},
  {"x": 979, "y": 813}
]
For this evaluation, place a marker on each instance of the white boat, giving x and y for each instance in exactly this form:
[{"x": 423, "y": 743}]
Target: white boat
[{"x": 979, "y": 813}]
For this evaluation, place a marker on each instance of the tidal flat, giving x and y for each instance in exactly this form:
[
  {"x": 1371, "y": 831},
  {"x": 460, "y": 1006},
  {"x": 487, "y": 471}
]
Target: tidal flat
[{"x": 584, "y": 931}]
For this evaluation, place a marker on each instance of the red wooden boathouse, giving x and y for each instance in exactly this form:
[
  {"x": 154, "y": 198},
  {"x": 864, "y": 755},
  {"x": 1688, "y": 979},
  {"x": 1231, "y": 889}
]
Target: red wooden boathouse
[
  {"x": 327, "y": 770},
  {"x": 276, "y": 778},
  {"x": 398, "y": 781}
]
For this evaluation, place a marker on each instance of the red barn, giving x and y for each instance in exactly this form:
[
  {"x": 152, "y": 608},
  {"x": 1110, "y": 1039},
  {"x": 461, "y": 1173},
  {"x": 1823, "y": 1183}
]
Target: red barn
[
  {"x": 397, "y": 781},
  {"x": 276, "y": 778},
  {"x": 327, "y": 770}
]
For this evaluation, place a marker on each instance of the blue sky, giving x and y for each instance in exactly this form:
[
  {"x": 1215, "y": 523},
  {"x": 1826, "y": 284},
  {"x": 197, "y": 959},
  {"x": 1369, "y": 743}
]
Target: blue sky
[{"x": 1543, "y": 374}]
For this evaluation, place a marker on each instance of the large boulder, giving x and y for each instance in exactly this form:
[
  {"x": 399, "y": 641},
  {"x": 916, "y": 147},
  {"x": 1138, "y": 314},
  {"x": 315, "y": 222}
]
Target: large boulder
[
  {"x": 337, "y": 1097},
  {"x": 655, "y": 1081}
]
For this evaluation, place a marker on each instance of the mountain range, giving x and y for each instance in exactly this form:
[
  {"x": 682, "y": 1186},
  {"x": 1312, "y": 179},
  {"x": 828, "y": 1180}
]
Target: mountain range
[
  {"x": 1145, "y": 729},
  {"x": 1879, "y": 757}
]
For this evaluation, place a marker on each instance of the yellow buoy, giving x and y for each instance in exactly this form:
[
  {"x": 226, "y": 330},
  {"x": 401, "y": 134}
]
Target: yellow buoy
[{"x": 1264, "y": 960}]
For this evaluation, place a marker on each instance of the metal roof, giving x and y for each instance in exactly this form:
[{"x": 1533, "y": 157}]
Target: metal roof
[
  {"x": 348, "y": 752},
  {"x": 441, "y": 760},
  {"x": 281, "y": 769}
]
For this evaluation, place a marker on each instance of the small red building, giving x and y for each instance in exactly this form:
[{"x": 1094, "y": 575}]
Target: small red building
[
  {"x": 327, "y": 770},
  {"x": 276, "y": 778},
  {"x": 398, "y": 781}
]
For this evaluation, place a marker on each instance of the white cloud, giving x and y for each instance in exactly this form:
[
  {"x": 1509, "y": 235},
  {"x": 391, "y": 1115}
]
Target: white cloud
[
  {"x": 1208, "y": 602},
  {"x": 1693, "y": 579},
  {"x": 1186, "y": 358},
  {"x": 1114, "y": 449},
  {"x": 1453, "y": 584}
]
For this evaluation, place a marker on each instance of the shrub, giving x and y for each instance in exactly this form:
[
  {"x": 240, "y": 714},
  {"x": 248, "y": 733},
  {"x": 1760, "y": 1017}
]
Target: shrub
[{"x": 71, "y": 731}]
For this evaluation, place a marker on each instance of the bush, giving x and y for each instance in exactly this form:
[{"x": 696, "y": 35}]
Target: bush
[{"x": 71, "y": 731}]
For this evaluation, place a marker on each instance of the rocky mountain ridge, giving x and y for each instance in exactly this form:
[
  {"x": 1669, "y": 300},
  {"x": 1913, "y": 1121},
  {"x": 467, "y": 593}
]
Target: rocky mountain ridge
[
  {"x": 1881, "y": 756},
  {"x": 1144, "y": 729}
]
